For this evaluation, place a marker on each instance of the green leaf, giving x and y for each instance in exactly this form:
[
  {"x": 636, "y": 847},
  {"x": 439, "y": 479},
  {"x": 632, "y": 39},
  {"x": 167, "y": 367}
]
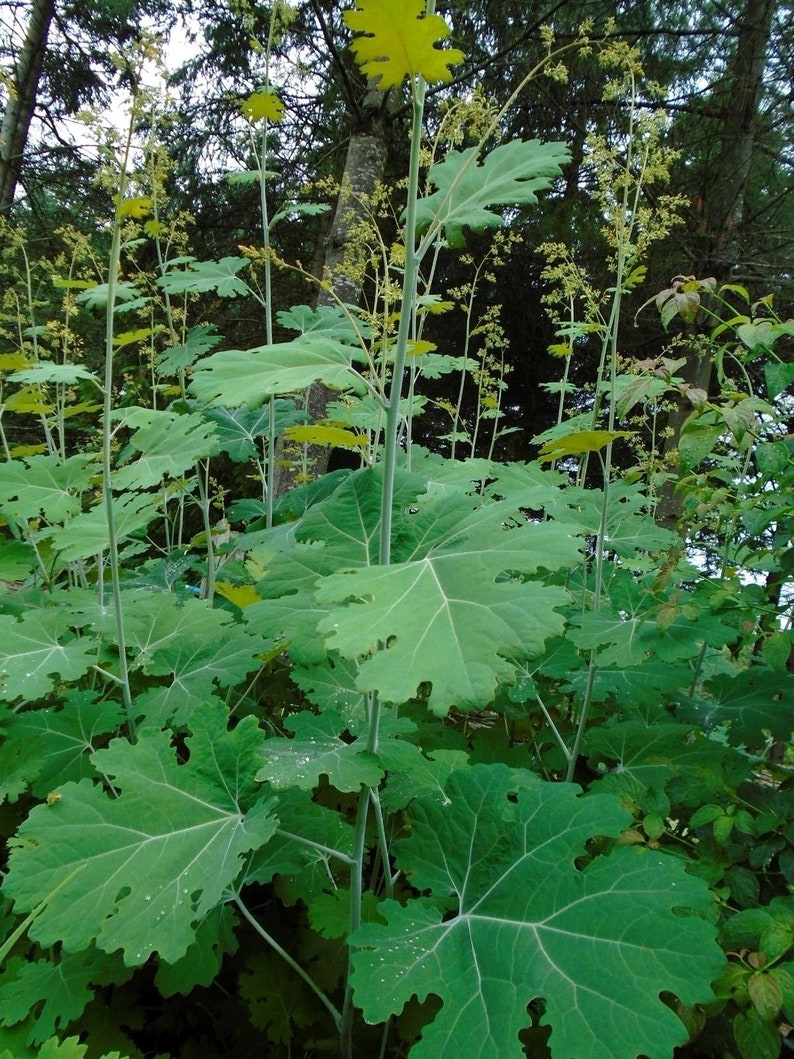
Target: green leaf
[
  {"x": 288, "y": 855},
  {"x": 331, "y": 683},
  {"x": 45, "y": 486},
  {"x": 277, "y": 999},
  {"x": 17, "y": 559},
  {"x": 697, "y": 441},
  {"x": 448, "y": 606},
  {"x": 202, "y": 960},
  {"x": 401, "y": 42},
  {"x": 198, "y": 341},
  {"x": 64, "y": 374},
  {"x": 598, "y": 945},
  {"x": 510, "y": 175},
  {"x": 97, "y": 296},
  {"x": 237, "y": 377},
  {"x": 655, "y": 753},
  {"x": 44, "y": 748},
  {"x": 580, "y": 441},
  {"x": 765, "y": 994},
  {"x": 327, "y": 320},
  {"x": 750, "y": 703},
  {"x": 39, "y": 648},
  {"x": 239, "y": 430},
  {"x": 412, "y": 774},
  {"x": 166, "y": 447},
  {"x": 201, "y": 277},
  {"x": 465, "y": 600},
  {"x": 57, "y": 992},
  {"x": 193, "y": 644},
  {"x": 317, "y": 750},
  {"x": 160, "y": 855},
  {"x": 778, "y": 378},
  {"x": 756, "y": 1038},
  {"x": 86, "y": 535}
]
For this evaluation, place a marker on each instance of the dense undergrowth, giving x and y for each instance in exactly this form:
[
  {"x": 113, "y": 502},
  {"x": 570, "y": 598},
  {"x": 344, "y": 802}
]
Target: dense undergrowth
[{"x": 438, "y": 756}]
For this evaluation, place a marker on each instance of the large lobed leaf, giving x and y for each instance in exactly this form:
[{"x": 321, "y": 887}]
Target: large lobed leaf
[
  {"x": 45, "y": 485},
  {"x": 598, "y": 945},
  {"x": 158, "y": 857},
  {"x": 465, "y": 600},
  {"x": 401, "y": 42},
  {"x": 38, "y": 648},
  {"x": 510, "y": 175},
  {"x": 249, "y": 377}
]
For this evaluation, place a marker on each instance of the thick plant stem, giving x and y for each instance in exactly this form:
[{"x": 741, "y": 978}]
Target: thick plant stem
[
  {"x": 107, "y": 487},
  {"x": 410, "y": 276}
]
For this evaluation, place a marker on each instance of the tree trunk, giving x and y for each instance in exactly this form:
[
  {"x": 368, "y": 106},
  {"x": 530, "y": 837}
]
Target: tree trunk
[
  {"x": 22, "y": 100},
  {"x": 720, "y": 208},
  {"x": 364, "y": 167}
]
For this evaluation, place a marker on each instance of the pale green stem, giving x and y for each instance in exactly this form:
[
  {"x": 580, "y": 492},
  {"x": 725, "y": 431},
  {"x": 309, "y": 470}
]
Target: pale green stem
[
  {"x": 383, "y": 841},
  {"x": 327, "y": 851},
  {"x": 410, "y": 275},
  {"x": 107, "y": 410},
  {"x": 296, "y": 967},
  {"x": 463, "y": 372},
  {"x": 202, "y": 479},
  {"x": 554, "y": 728}
]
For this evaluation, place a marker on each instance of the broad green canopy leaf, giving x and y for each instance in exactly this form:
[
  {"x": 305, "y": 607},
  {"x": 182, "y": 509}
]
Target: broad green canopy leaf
[
  {"x": 65, "y": 374},
  {"x": 58, "y": 992},
  {"x": 458, "y": 597},
  {"x": 510, "y": 175},
  {"x": 165, "y": 448},
  {"x": 44, "y": 485},
  {"x": 87, "y": 533},
  {"x": 239, "y": 430},
  {"x": 317, "y": 750},
  {"x": 750, "y": 703},
  {"x": 43, "y": 748},
  {"x": 159, "y": 857},
  {"x": 249, "y": 377},
  {"x": 202, "y": 277},
  {"x": 198, "y": 341},
  {"x": 193, "y": 644},
  {"x": 598, "y": 945},
  {"x": 37, "y": 649},
  {"x": 447, "y": 607},
  {"x": 401, "y": 42}
]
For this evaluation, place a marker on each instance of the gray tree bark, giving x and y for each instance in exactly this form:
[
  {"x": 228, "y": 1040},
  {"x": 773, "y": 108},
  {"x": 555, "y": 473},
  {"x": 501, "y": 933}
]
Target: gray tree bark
[
  {"x": 22, "y": 100},
  {"x": 364, "y": 167}
]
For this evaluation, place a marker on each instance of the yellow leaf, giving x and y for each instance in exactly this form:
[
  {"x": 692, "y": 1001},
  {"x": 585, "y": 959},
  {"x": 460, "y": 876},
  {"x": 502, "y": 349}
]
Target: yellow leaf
[
  {"x": 433, "y": 304},
  {"x": 28, "y": 400},
  {"x": 581, "y": 441},
  {"x": 140, "y": 206},
  {"x": 78, "y": 409},
  {"x": 140, "y": 335},
  {"x": 13, "y": 362},
  {"x": 19, "y": 451},
  {"x": 560, "y": 349},
  {"x": 154, "y": 228},
  {"x": 420, "y": 347},
  {"x": 241, "y": 595},
  {"x": 401, "y": 42},
  {"x": 261, "y": 105},
  {"x": 72, "y": 284},
  {"x": 336, "y": 437},
  {"x": 636, "y": 278}
]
